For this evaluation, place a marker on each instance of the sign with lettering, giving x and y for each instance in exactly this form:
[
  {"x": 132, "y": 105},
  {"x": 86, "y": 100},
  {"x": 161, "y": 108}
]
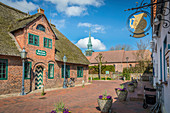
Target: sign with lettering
[
  {"x": 41, "y": 52},
  {"x": 139, "y": 23}
]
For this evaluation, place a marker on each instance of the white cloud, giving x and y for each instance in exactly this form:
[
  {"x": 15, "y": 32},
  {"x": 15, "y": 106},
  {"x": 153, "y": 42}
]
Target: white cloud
[
  {"x": 54, "y": 14},
  {"x": 97, "y": 44},
  {"x": 58, "y": 23},
  {"x": 75, "y": 7},
  {"x": 22, "y": 5},
  {"x": 84, "y": 24},
  {"x": 75, "y": 11},
  {"x": 95, "y": 28}
]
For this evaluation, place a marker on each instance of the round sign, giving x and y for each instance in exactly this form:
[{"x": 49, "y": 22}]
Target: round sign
[{"x": 138, "y": 23}]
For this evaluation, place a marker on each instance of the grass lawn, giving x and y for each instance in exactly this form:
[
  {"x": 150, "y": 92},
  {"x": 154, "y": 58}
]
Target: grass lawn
[{"x": 101, "y": 78}]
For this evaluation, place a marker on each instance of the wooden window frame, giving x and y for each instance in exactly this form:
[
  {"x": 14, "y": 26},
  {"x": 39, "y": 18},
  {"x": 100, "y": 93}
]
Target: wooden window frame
[
  {"x": 49, "y": 77},
  {"x": 33, "y": 39},
  {"x": 6, "y": 69},
  {"x": 47, "y": 43}
]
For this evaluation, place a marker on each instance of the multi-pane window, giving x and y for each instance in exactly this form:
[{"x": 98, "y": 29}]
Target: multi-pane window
[
  {"x": 27, "y": 70},
  {"x": 67, "y": 71},
  {"x": 41, "y": 27},
  {"x": 50, "y": 71},
  {"x": 33, "y": 39},
  {"x": 48, "y": 43},
  {"x": 3, "y": 69},
  {"x": 79, "y": 71}
]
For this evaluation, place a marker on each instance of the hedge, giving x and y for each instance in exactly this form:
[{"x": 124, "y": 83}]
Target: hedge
[{"x": 104, "y": 68}]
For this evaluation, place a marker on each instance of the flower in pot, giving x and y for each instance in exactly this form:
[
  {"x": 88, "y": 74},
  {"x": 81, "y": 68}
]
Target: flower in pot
[
  {"x": 121, "y": 93},
  {"x": 105, "y": 102},
  {"x": 135, "y": 82},
  {"x": 131, "y": 87},
  {"x": 60, "y": 108}
]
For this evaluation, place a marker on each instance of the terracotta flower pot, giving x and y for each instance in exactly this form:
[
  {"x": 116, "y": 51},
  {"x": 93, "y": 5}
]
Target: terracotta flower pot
[
  {"x": 131, "y": 88},
  {"x": 105, "y": 105}
]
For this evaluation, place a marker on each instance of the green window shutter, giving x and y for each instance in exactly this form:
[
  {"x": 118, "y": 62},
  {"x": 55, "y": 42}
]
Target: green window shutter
[
  {"x": 3, "y": 69},
  {"x": 51, "y": 71}
]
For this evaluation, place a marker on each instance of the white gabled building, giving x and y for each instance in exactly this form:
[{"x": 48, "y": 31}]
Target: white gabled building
[{"x": 161, "y": 51}]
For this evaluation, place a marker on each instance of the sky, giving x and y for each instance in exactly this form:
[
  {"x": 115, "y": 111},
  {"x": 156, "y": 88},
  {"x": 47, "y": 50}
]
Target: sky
[{"x": 72, "y": 18}]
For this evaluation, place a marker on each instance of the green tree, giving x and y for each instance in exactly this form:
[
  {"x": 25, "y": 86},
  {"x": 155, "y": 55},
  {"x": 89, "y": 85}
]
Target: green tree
[{"x": 126, "y": 47}]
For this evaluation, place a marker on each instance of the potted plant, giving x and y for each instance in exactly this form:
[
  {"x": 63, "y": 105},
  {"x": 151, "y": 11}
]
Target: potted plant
[
  {"x": 60, "y": 108},
  {"x": 121, "y": 93},
  {"x": 131, "y": 87},
  {"x": 105, "y": 102},
  {"x": 135, "y": 82}
]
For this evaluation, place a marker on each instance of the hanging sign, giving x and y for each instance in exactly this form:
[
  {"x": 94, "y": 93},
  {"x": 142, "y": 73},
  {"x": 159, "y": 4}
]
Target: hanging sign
[
  {"x": 41, "y": 52},
  {"x": 138, "y": 23}
]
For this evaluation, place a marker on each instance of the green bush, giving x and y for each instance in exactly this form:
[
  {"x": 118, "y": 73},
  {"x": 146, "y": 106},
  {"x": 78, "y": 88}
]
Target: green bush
[
  {"x": 101, "y": 78},
  {"x": 104, "y": 68},
  {"x": 126, "y": 73}
]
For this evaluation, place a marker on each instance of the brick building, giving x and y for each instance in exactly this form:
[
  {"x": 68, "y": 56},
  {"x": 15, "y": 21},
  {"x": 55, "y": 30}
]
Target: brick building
[
  {"x": 119, "y": 58},
  {"x": 45, "y": 47}
]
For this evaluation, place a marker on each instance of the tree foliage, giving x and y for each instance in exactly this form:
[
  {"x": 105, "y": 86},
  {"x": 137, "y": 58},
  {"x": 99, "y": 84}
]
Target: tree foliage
[
  {"x": 104, "y": 68},
  {"x": 126, "y": 47},
  {"x": 143, "y": 55}
]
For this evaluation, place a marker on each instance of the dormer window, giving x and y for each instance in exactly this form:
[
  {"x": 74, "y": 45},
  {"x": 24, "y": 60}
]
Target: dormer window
[{"x": 41, "y": 27}]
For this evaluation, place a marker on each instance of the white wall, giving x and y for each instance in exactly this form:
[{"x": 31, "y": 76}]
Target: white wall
[{"x": 156, "y": 59}]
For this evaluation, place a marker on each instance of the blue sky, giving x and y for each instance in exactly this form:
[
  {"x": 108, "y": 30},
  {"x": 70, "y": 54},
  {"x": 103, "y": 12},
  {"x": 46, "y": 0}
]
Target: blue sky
[{"x": 107, "y": 19}]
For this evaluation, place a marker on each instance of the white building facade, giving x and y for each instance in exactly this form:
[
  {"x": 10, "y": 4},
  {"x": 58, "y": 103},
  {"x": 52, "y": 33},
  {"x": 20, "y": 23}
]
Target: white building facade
[{"x": 161, "y": 52}]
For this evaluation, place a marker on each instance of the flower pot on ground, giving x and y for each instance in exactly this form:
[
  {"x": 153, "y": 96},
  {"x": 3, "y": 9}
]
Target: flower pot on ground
[
  {"x": 135, "y": 83},
  {"x": 105, "y": 102},
  {"x": 131, "y": 87},
  {"x": 121, "y": 93},
  {"x": 60, "y": 108}
]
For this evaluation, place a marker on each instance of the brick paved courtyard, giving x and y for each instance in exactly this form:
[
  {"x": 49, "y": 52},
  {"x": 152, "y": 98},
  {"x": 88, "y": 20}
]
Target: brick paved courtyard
[{"x": 77, "y": 99}]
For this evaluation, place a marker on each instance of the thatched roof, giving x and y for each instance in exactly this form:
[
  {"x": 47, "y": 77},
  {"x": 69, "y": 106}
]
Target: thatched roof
[
  {"x": 8, "y": 15},
  {"x": 23, "y": 22},
  {"x": 12, "y": 19},
  {"x": 72, "y": 52}
]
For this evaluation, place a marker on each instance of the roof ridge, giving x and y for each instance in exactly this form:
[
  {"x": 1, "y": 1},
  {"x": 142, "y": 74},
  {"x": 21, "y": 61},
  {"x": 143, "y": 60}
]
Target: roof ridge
[
  {"x": 13, "y": 8},
  {"x": 28, "y": 17},
  {"x": 109, "y": 51}
]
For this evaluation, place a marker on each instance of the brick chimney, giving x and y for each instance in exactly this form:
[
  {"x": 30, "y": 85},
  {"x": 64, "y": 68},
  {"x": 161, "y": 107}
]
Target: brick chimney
[{"x": 40, "y": 11}]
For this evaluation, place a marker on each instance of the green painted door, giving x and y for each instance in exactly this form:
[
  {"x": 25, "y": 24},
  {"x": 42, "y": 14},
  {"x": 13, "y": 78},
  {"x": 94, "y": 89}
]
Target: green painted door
[{"x": 38, "y": 77}]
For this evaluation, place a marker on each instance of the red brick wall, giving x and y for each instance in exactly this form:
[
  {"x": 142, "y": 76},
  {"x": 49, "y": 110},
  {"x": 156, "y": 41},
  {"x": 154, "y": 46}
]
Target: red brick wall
[
  {"x": 58, "y": 80},
  {"x": 22, "y": 39},
  {"x": 14, "y": 82}
]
